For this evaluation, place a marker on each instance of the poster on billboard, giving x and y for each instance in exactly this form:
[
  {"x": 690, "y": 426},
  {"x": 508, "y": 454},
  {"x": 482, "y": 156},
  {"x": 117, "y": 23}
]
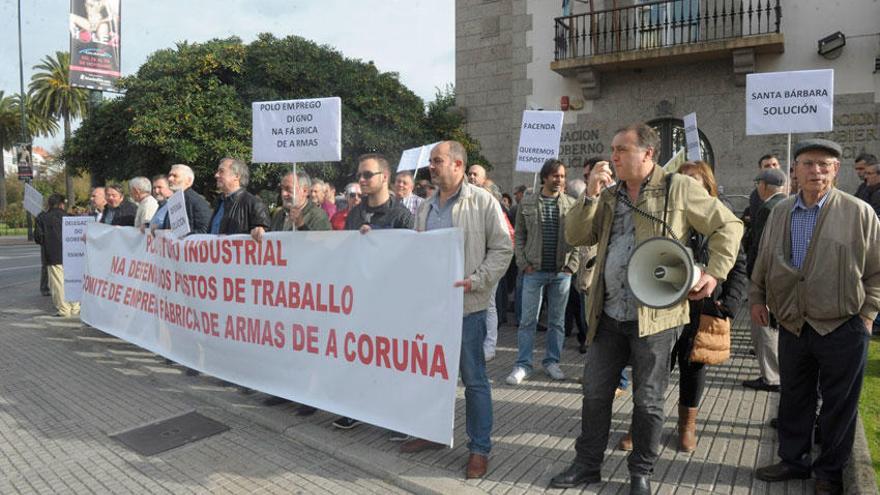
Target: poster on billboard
[{"x": 95, "y": 44}]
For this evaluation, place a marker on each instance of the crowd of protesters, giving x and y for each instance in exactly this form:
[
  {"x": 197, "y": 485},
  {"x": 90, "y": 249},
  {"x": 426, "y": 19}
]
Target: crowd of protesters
[{"x": 804, "y": 253}]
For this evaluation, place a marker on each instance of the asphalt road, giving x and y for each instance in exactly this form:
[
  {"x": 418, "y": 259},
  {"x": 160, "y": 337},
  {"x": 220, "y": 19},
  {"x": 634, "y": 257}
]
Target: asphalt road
[{"x": 20, "y": 266}]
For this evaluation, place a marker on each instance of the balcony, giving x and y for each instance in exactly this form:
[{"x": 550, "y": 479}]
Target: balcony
[{"x": 664, "y": 32}]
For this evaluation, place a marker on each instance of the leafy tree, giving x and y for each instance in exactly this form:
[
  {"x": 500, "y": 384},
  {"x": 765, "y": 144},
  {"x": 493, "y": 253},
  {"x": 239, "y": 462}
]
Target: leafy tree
[
  {"x": 10, "y": 129},
  {"x": 192, "y": 104},
  {"x": 444, "y": 121},
  {"x": 54, "y": 97}
]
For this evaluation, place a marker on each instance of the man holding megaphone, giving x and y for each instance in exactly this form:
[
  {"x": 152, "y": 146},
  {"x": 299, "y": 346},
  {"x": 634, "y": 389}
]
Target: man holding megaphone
[{"x": 646, "y": 203}]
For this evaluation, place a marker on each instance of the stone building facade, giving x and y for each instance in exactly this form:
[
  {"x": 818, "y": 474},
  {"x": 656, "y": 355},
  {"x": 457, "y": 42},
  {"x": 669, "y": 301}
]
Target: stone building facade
[{"x": 622, "y": 62}]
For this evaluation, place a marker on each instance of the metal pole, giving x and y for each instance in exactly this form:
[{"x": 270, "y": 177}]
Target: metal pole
[
  {"x": 788, "y": 163},
  {"x": 21, "y": 80},
  {"x": 24, "y": 133}
]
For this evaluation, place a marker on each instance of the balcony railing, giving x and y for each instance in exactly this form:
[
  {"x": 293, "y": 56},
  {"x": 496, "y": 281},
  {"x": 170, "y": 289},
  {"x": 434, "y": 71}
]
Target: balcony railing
[{"x": 665, "y": 23}]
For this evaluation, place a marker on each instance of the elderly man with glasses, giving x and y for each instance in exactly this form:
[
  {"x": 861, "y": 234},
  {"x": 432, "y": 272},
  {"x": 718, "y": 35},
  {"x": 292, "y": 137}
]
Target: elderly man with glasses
[{"x": 818, "y": 272}]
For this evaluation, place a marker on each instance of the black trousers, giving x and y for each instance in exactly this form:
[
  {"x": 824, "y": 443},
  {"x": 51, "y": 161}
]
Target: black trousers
[
  {"x": 44, "y": 272},
  {"x": 575, "y": 315},
  {"x": 836, "y": 362}
]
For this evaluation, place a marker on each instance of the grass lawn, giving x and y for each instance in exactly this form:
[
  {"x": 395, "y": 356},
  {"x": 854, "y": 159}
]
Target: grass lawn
[
  {"x": 4, "y": 230},
  {"x": 869, "y": 405}
]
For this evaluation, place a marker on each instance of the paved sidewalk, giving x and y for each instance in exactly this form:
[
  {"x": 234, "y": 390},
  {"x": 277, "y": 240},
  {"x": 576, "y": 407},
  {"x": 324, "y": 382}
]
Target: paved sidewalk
[{"x": 64, "y": 387}]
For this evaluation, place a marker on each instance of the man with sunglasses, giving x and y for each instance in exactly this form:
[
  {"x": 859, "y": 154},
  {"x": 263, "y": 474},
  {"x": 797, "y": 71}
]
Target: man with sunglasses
[
  {"x": 378, "y": 210},
  {"x": 818, "y": 273}
]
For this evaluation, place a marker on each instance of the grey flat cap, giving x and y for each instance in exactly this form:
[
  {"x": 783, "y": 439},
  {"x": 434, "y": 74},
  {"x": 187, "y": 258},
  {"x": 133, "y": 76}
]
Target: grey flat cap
[
  {"x": 772, "y": 177},
  {"x": 818, "y": 144}
]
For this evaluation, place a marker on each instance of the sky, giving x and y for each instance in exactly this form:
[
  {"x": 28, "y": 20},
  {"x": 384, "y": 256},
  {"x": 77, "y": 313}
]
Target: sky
[{"x": 415, "y": 38}]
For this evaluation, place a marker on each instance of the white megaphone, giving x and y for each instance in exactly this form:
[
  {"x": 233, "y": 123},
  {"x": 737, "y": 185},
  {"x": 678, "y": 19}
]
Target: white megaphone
[{"x": 661, "y": 272}]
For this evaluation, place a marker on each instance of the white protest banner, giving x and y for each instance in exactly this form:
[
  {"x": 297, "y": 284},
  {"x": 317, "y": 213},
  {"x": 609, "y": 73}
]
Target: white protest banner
[
  {"x": 692, "y": 136},
  {"x": 789, "y": 102},
  {"x": 322, "y": 318},
  {"x": 297, "y": 130},
  {"x": 538, "y": 139},
  {"x": 73, "y": 235},
  {"x": 416, "y": 158},
  {"x": 33, "y": 200},
  {"x": 177, "y": 215}
]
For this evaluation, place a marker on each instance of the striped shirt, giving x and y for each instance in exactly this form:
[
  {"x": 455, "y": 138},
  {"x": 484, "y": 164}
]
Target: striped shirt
[
  {"x": 412, "y": 203},
  {"x": 803, "y": 222},
  {"x": 549, "y": 208}
]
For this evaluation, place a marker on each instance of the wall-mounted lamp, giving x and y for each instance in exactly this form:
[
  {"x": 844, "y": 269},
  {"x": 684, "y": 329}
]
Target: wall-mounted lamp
[{"x": 831, "y": 45}]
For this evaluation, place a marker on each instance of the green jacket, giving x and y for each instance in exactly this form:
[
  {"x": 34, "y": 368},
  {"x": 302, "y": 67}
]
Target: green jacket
[
  {"x": 529, "y": 235},
  {"x": 690, "y": 207},
  {"x": 314, "y": 218}
]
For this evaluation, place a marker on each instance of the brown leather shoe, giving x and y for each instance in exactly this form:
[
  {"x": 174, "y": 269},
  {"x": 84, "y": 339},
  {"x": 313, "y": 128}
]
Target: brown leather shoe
[
  {"x": 477, "y": 466},
  {"x": 828, "y": 487},
  {"x": 418, "y": 445},
  {"x": 626, "y": 442}
]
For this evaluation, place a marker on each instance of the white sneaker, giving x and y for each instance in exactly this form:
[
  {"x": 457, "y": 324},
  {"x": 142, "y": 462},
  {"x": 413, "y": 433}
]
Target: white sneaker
[
  {"x": 554, "y": 372},
  {"x": 517, "y": 376}
]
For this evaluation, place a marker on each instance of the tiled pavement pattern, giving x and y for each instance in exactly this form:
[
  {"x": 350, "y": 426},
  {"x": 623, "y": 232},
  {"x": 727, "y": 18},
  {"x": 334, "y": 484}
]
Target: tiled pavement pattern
[{"x": 63, "y": 388}]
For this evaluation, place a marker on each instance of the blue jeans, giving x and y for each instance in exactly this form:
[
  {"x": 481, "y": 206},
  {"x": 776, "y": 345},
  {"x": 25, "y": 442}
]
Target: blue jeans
[
  {"x": 557, "y": 292},
  {"x": 477, "y": 393}
]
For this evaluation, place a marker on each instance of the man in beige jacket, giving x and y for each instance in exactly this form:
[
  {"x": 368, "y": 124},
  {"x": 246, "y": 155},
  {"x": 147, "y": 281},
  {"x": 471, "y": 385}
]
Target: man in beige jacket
[
  {"x": 487, "y": 253},
  {"x": 621, "y": 330},
  {"x": 818, "y": 272}
]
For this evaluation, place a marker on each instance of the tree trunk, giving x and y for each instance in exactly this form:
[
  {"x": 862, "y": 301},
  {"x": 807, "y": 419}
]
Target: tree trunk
[
  {"x": 68, "y": 173},
  {"x": 2, "y": 179}
]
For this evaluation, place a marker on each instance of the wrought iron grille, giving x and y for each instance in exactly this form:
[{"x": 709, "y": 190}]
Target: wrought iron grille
[{"x": 664, "y": 23}]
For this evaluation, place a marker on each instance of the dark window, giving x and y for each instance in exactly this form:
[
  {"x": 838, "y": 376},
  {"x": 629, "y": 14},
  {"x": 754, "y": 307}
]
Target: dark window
[{"x": 672, "y": 139}]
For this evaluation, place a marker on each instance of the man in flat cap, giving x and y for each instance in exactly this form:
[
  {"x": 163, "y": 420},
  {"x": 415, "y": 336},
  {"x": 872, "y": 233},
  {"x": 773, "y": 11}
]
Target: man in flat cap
[
  {"x": 818, "y": 271},
  {"x": 770, "y": 185}
]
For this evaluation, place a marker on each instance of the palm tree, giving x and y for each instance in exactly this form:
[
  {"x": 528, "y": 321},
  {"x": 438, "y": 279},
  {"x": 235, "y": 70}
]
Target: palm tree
[
  {"x": 55, "y": 97},
  {"x": 10, "y": 129}
]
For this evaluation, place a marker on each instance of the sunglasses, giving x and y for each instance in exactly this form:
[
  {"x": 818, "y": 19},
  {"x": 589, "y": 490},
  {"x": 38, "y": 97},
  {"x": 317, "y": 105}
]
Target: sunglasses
[{"x": 366, "y": 175}]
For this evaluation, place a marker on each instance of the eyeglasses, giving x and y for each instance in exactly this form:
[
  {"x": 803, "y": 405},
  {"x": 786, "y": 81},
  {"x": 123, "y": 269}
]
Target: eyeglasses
[
  {"x": 353, "y": 195},
  {"x": 367, "y": 175},
  {"x": 821, "y": 164}
]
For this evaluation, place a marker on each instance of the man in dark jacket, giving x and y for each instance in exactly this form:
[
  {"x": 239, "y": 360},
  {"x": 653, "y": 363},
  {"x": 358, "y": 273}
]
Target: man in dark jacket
[
  {"x": 38, "y": 238},
  {"x": 769, "y": 184},
  {"x": 198, "y": 211},
  {"x": 237, "y": 211},
  {"x": 118, "y": 211},
  {"x": 53, "y": 242},
  {"x": 296, "y": 211},
  {"x": 378, "y": 210}
]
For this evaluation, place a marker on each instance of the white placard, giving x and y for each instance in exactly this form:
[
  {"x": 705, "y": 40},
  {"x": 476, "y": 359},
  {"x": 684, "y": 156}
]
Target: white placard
[
  {"x": 416, "y": 158},
  {"x": 73, "y": 235},
  {"x": 790, "y": 102},
  {"x": 410, "y": 159},
  {"x": 33, "y": 200},
  {"x": 300, "y": 315},
  {"x": 692, "y": 137},
  {"x": 539, "y": 137},
  {"x": 297, "y": 130},
  {"x": 177, "y": 215}
]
